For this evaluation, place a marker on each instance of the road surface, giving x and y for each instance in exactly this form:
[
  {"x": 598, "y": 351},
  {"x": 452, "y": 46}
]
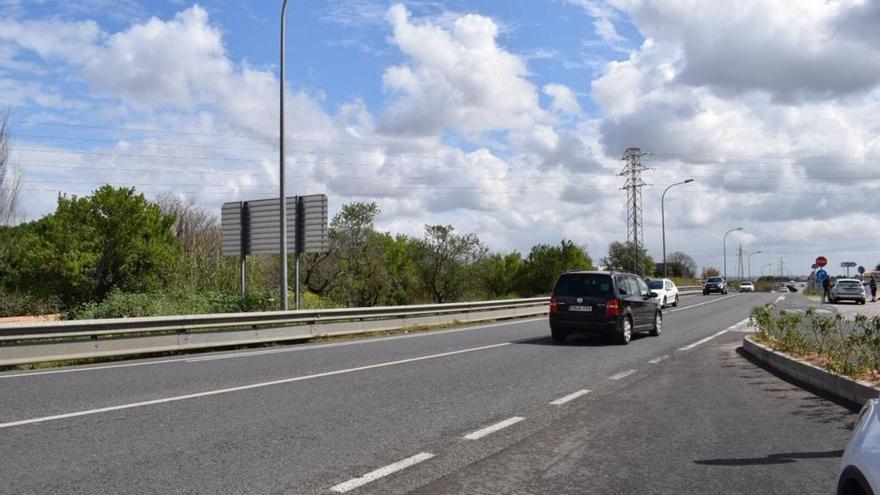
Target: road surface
[{"x": 493, "y": 409}]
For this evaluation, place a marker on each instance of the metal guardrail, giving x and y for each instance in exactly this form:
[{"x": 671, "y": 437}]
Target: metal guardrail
[{"x": 83, "y": 339}]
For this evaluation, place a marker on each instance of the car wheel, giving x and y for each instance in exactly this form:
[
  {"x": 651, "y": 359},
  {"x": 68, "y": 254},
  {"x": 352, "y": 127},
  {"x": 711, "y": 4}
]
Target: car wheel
[
  {"x": 658, "y": 324},
  {"x": 626, "y": 333},
  {"x": 724, "y": 292},
  {"x": 558, "y": 335},
  {"x": 862, "y": 301},
  {"x": 664, "y": 302},
  {"x": 705, "y": 293},
  {"x": 675, "y": 302}
]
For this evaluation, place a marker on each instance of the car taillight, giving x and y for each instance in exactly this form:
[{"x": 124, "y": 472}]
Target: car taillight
[
  {"x": 554, "y": 308},
  {"x": 612, "y": 308}
]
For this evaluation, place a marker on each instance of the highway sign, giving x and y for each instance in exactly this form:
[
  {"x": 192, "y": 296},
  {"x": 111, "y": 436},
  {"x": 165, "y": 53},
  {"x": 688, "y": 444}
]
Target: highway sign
[
  {"x": 821, "y": 261},
  {"x": 848, "y": 264},
  {"x": 252, "y": 227},
  {"x": 821, "y": 275},
  {"x": 861, "y": 270}
]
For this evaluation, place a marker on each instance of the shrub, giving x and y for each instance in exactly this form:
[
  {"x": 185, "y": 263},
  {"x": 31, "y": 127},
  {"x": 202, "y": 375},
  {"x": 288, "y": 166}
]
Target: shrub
[{"x": 22, "y": 304}]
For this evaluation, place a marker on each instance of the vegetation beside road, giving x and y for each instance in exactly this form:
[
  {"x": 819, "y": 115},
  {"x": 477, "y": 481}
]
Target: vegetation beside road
[
  {"x": 116, "y": 253},
  {"x": 846, "y": 347}
]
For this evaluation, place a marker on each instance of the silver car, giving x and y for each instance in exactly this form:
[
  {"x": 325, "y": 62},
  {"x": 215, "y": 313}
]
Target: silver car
[
  {"x": 860, "y": 465},
  {"x": 848, "y": 289}
]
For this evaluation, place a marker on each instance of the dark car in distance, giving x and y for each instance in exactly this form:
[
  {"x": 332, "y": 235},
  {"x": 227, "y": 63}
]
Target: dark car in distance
[
  {"x": 715, "y": 284},
  {"x": 603, "y": 303}
]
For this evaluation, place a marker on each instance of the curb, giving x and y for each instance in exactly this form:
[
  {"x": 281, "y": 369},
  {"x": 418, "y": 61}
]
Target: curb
[{"x": 845, "y": 389}]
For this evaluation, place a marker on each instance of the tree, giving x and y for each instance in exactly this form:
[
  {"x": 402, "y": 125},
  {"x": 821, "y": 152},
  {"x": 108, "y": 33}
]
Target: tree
[
  {"x": 404, "y": 284},
  {"x": 10, "y": 178},
  {"x": 627, "y": 257},
  {"x": 545, "y": 263},
  {"x": 681, "y": 265},
  {"x": 710, "y": 271},
  {"x": 497, "y": 274},
  {"x": 353, "y": 270},
  {"x": 113, "y": 239},
  {"x": 443, "y": 262}
]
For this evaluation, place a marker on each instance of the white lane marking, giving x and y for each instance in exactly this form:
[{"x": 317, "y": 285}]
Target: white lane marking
[
  {"x": 191, "y": 359},
  {"x": 742, "y": 326},
  {"x": 381, "y": 472},
  {"x": 701, "y": 304},
  {"x": 493, "y": 428},
  {"x": 243, "y": 387},
  {"x": 702, "y": 341},
  {"x": 570, "y": 397},
  {"x": 658, "y": 359},
  {"x": 779, "y": 299},
  {"x": 621, "y": 375}
]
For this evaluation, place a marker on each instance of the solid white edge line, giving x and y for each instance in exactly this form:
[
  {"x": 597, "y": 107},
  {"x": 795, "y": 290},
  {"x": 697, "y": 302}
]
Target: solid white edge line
[
  {"x": 658, "y": 359},
  {"x": 701, "y": 304},
  {"x": 621, "y": 375},
  {"x": 192, "y": 359},
  {"x": 242, "y": 387},
  {"x": 702, "y": 341},
  {"x": 570, "y": 397},
  {"x": 381, "y": 472},
  {"x": 493, "y": 428},
  {"x": 742, "y": 326}
]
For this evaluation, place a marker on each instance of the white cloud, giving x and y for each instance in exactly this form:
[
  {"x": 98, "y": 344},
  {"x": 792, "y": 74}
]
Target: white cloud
[
  {"x": 457, "y": 79},
  {"x": 564, "y": 100}
]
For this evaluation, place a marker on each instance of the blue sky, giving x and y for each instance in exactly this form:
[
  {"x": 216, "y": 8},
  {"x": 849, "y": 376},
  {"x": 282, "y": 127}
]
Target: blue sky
[{"x": 503, "y": 118}]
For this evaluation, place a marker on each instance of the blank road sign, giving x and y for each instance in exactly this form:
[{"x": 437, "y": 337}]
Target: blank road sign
[{"x": 253, "y": 227}]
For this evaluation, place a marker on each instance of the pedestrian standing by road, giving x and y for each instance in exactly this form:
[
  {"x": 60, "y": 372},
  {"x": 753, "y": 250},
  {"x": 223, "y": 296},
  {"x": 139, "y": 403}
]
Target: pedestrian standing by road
[
  {"x": 826, "y": 288},
  {"x": 873, "y": 285}
]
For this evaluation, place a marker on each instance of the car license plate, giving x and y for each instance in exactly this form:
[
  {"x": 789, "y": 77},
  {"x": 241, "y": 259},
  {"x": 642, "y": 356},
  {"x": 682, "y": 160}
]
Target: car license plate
[{"x": 585, "y": 309}]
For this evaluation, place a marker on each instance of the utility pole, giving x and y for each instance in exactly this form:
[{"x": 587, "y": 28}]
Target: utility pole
[{"x": 635, "y": 234}]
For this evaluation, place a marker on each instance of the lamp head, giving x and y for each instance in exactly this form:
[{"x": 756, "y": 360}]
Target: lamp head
[{"x": 687, "y": 181}]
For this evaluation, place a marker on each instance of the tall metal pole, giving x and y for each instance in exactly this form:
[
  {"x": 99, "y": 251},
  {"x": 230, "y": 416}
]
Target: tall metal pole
[
  {"x": 725, "y": 250},
  {"x": 663, "y": 220},
  {"x": 282, "y": 191},
  {"x": 750, "y": 264}
]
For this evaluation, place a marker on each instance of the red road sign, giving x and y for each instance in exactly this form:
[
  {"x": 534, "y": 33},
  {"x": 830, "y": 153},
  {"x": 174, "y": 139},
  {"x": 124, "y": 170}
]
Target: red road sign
[{"x": 821, "y": 261}]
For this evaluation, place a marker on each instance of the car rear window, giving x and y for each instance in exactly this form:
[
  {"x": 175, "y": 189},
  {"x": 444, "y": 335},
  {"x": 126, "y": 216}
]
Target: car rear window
[
  {"x": 850, "y": 284},
  {"x": 583, "y": 284},
  {"x": 655, "y": 284}
]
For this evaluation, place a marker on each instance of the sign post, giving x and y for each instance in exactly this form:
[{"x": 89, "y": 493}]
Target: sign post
[{"x": 248, "y": 227}]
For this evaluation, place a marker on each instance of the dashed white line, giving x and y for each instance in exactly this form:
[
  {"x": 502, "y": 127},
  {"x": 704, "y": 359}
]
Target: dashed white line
[
  {"x": 658, "y": 359},
  {"x": 570, "y": 397},
  {"x": 493, "y": 428},
  {"x": 779, "y": 299},
  {"x": 702, "y": 341},
  {"x": 242, "y": 387},
  {"x": 621, "y": 375},
  {"x": 381, "y": 472}
]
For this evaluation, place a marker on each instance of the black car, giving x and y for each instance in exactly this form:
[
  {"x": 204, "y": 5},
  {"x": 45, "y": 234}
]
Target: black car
[
  {"x": 603, "y": 303},
  {"x": 715, "y": 284}
]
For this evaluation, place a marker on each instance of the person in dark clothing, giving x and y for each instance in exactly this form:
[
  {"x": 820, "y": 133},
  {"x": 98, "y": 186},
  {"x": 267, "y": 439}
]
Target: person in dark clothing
[
  {"x": 873, "y": 285},
  {"x": 826, "y": 287}
]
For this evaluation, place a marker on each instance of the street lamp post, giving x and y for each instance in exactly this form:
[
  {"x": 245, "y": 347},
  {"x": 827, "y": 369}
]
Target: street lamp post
[
  {"x": 750, "y": 264},
  {"x": 725, "y": 250},
  {"x": 663, "y": 220},
  {"x": 283, "y": 190}
]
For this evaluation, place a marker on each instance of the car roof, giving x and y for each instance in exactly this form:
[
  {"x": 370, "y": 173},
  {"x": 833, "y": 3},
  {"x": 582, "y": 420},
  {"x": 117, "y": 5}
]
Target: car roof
[
  {"x": 849, "y": 280},
  {"x": 595, "y": 272}
]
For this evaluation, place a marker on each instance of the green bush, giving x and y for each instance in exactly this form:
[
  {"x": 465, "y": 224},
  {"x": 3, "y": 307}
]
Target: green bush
[
  {"x": 21, "y": 304},
  {"x": 121, "y": 305},
  {"x": 846, "y": 347}
]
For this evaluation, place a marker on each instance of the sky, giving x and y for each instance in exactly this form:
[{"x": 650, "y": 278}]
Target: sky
[{"x": 505, "y": 119}]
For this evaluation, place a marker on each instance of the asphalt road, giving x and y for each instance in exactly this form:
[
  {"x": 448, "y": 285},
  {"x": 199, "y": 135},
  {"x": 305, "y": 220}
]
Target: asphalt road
[{"x": 493, "y": 409}]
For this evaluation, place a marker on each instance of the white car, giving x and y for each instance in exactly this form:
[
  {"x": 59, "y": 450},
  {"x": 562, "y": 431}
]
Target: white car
[
  {"x": 667, "y": 292},
  {"x": 747, "y": 287},
  {"x": 860, "y": 466}
]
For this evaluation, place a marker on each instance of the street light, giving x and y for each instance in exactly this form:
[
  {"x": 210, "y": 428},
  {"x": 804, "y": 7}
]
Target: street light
[
  {"x": 725, "y": 250},
  {"x": 663, "y": 219},
  {"x": 750, "y": 264},
  {"x": 283, "y": 191}
]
